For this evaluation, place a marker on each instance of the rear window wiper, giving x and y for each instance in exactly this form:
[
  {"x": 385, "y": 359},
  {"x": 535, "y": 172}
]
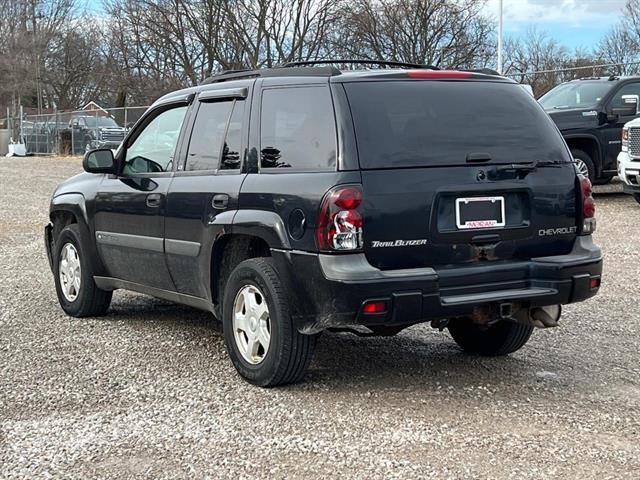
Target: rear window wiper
[{"x": 520, "y": 169}]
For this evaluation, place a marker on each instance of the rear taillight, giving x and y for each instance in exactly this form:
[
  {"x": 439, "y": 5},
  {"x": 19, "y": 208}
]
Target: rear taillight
[
  {"x": 340, "y": 221},
  {"x": 588, "y": 206}
]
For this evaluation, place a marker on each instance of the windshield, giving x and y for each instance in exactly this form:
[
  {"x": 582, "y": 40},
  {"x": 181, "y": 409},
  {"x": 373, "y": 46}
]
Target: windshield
[
  {"x": 581, "y": 94},
  {"x": 94, "y": 122},
  {"x": 424, "y": 123}
]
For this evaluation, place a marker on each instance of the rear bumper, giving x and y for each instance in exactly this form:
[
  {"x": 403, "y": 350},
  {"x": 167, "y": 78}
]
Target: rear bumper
[{"x": 330, "y": 290}]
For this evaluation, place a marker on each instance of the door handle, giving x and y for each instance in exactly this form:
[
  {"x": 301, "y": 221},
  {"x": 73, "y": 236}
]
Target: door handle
[
  {"x": 153, "y": 200},
  {"x": 220, "y": 201}
]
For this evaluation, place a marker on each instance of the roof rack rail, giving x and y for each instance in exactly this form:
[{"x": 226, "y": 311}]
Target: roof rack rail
[
  {"x": 280, "y": 71},
  {"x": 308, "y": 63},
  {"x": 231, "y": 74}
]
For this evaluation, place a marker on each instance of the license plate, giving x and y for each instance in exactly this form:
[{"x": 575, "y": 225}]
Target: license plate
[{"x": 480, "y": 212}]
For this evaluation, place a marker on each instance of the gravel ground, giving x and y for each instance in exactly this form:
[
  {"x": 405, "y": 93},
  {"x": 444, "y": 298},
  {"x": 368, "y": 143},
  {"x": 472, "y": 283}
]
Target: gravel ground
[{"x": 148, "y": 391}]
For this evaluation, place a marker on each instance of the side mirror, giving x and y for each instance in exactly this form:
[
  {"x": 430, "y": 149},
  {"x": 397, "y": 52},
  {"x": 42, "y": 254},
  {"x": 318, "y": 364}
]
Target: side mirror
[
  {"x": 629, "y": 106},
  {"x": 100, "y": 160}
]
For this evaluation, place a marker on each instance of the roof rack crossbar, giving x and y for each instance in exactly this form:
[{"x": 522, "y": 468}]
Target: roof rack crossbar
[{"x": 308, "y": 63}]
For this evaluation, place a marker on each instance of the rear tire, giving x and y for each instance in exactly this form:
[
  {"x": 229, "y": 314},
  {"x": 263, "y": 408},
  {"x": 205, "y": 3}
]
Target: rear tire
[
  {"x": 287, "y": 354},
  {"x": 83, "y": 298},
  {"x": 585, "y": 163},
  {"x": 501, "y": 338}
]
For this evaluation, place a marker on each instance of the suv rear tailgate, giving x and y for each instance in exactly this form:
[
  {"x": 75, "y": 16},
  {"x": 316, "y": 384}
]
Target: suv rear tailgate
[{"x": 439, "y": 156}]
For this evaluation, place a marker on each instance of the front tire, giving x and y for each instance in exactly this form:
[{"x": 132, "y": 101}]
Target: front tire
[
  {"x": 263, "y": 344},
  {"x": 501, "y": 338},
  {"x": 78, "y": 294}
]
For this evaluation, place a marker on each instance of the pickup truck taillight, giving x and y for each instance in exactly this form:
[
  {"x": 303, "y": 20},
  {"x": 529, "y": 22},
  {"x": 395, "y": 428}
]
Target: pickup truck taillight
[
  {"x": 588, "y": 206},
  {"x": 340, "y": 223}
]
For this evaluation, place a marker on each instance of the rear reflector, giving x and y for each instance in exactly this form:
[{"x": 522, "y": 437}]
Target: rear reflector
[
  {"x": 594, "y": 283},
  {"x": 377, "y": 306},
  {"x": 436, "y": 74}
]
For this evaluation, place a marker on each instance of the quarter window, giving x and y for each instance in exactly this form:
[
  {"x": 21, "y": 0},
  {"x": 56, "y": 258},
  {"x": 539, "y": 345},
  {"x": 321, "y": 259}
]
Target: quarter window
[
  {"x": 297, "y": 129},
  {"x": 153, "y": 150}
]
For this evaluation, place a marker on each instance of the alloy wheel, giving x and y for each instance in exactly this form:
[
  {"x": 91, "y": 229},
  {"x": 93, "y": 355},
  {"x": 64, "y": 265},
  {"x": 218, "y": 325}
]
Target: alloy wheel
[{"x": 582, "y": 167}]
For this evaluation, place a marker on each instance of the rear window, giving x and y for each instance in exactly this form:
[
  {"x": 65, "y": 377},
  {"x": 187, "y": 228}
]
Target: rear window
[{"x": 424, "y": 123}]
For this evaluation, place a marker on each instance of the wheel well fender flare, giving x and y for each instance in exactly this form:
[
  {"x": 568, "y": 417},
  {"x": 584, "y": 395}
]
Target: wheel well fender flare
[
  {"x": 253, "y": 233},
  {"x": 584, "y": 136},
  {"x": 263, "y": 224},
  {"x": 74, "y": 204}
]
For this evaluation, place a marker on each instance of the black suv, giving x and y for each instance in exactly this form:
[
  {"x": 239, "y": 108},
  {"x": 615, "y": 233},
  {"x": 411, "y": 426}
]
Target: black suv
[
  {"x": 95, "y": 131},
  {"x": 590, "y": 114},
  {"x": 296, "y": 199}
]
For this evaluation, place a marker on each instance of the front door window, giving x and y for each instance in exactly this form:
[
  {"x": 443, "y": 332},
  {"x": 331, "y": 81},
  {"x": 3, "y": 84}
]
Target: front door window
[{"x": 153, "y": 150}]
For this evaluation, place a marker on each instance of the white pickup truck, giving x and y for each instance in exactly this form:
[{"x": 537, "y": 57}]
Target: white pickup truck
[{"x": 629, "y": 158}]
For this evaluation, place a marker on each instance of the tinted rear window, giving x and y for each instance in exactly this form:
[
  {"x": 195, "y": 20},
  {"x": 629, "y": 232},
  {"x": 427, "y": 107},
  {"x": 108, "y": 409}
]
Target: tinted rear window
[{"x": 424, "y": 123}]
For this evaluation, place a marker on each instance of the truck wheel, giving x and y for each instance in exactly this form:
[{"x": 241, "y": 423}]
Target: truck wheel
[
  {"x": 585, "y": 164},
  {"x": 73, "y": 273},
  {"x": 501, "y": 338},
  {"x": 263, "y": 344}
]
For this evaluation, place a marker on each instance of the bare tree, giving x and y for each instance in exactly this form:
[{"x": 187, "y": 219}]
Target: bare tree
[
  {"x": 621, "y": 45},
  {"x": 535, "y": 52},
  {"x": 267, "y": 33},
  {"x": 27, "y": 30},
  {"x": 73, "y": 73},
  {"x": 446, "y": 33}
]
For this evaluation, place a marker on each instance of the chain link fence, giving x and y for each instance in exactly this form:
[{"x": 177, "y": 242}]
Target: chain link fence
[{"x": 73, "y": 133}]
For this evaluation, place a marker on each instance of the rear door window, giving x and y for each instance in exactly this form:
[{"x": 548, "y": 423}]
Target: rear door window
[
  {"x": 205, "y": 145},
  {"x": 430, "y": 123},
  {"x": 297, "y": 129},
  {"x": 231, "y": 150}
]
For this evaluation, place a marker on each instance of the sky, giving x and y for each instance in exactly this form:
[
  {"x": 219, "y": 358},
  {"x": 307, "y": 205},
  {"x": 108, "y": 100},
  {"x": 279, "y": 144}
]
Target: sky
[{"x": 574, "y": 23}]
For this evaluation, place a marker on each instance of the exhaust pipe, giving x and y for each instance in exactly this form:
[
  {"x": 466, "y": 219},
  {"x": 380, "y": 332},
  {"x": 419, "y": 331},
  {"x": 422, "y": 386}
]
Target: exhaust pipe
[{"x": 543, "y": 317}]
